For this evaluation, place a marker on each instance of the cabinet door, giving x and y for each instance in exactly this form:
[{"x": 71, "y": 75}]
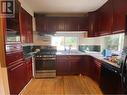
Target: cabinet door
[
  {"x": 16, "y": 77},
  {"x": 63, "y": 65},
  {"x": 30, "y": 29},
  {"x": 84, "y": 65},
  {"x": 92, "y": 32},
  {"x": 97, "y": 70},
  {"x": 120, "y": 10},
  {"x": 23, "y": 25},
  {"x": 29, "y": 69},
  {"x": 105, "y": 18},
  {"x": 12, "y": 57},
  {"x": 83, "y": 23},
  {"x": 26, "y": 27},
  {"x": 13, "y": 23},
  {"x": 75, "y": 64}
]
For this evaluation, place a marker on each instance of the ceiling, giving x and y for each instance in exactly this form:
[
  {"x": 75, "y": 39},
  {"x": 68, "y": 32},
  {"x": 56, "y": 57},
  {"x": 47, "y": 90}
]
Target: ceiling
[{"x": 64, "y": 6}]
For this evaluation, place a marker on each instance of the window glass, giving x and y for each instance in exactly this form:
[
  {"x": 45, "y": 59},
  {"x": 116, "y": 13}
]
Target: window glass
[
  {"x": 114, "y": 42},
  {"x": 63, "y": 42},
  {"x": 71, "y": 42}
]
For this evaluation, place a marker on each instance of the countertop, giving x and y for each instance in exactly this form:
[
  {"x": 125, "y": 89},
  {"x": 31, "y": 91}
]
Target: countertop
[{"x": 96, "y": 55}]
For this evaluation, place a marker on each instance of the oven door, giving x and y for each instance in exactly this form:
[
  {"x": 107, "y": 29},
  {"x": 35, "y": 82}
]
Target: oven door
[{"x": 42, "y": 65}]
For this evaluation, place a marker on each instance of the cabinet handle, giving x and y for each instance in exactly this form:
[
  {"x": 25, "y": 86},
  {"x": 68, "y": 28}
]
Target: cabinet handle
[
  {"x": 118, "y": 31},
  {"x": 16, "y": 67}
]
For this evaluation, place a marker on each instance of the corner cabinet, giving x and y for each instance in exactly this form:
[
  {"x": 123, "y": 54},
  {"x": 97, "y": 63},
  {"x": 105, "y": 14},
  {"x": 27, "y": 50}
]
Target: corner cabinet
[
  {"x": 109, "y": 19},
  {"x": 91, "y": 67},
  {"x": 105, "y": 18},
  {"x": 101, "y": 20},
  {"x": 120, "y": 12},
  {"x": 26, "y": 27}
]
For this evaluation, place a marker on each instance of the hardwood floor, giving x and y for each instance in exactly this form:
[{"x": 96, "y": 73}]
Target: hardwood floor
[{"x": 62, "y": 85}]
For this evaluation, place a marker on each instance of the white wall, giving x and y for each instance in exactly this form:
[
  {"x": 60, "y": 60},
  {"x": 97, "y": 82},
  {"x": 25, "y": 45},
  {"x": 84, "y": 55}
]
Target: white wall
[
  {"x": 26, "y": 7},
  {"x": 4, "y": 88},
  {"x": 90, "y": 41},
  {"x": 93, "y": 41},
  {"x": 41, "y": 40}
]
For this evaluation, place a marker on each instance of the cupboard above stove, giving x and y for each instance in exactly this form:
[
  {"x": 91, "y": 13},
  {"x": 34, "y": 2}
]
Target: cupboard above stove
[{"x": 51, "y": 24}]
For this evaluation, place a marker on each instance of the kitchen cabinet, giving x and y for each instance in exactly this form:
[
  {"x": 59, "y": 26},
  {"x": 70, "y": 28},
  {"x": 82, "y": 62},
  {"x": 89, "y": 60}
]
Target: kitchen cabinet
[
  {"x": 13, "y": 23},
  {"x": 68, "y": 65},
  {"x": 12, "y": 26},
  {"x": 12, "y": 57},
  {"x": 91, "y": 67},
  {"x": 105, "y": 18},
  {"x": 85, "y": 66},
  {"x": 101, "y": 20},
  {"x": 97, "y": 70},
  {"x": 120, "y": 11},
  {"x": 28, "y": 69},
  {"x": 16, "y": 77},
  {"x": 51, "y": 24},
  {"x": 14, "y": 52},
  {"x": 26, "y": 27},
  {"x": 19, "y": 70},
  {"x": 92, "y": 30},
  {"x": 41, "y": 23},
  {"x": 75, "y": 62},
  {"x": 62, "y": 65},
  {"x": 109, "y": 19},
  {"x": 79, "y": 64}
]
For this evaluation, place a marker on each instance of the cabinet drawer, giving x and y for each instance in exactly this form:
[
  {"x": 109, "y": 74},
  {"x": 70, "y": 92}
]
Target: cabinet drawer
[
  {"x": 75, "y": 58},
  {"x": 13, "y": 57}
]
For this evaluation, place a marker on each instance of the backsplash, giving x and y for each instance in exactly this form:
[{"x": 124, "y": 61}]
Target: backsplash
[
  {"x": 27, "y": 49},
  {"x": 95, "y": 48}
]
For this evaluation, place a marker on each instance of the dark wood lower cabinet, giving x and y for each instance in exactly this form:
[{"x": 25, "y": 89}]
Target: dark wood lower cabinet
[
  {"x": 19, "y": 74},
  {"x": 28, "y": 69},
  {"x": 68, "y": 65},
  {"x": 16, "y": 77},
  {"x": 62, "y": 65},
  {"x": 87, "y": 65}
]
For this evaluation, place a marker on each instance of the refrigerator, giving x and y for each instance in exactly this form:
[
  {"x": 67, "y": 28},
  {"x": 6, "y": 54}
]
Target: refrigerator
[
  {"x": 123, "y": 62},
  {"x": 123, "y": 70}
]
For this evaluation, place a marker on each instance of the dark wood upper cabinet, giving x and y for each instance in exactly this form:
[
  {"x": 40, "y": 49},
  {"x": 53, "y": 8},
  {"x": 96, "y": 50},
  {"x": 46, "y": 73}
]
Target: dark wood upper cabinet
[
  {"x": 12, "y": 26},
  {"x": 26, "y": 27},
  {"x": 28, "y": 72},
  {"x": 120, "y": 11},
  {"x": 12, "y": 23},
  {"x": 110, "y": 18},
  {"x": 92, "y": 30},
  {"x": 105, "y": 18},
  {"x": 49, "y": 24}
]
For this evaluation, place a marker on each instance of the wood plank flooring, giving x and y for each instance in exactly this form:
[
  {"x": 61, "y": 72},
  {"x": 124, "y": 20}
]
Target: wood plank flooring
[{"x": 62, "y": 85}]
